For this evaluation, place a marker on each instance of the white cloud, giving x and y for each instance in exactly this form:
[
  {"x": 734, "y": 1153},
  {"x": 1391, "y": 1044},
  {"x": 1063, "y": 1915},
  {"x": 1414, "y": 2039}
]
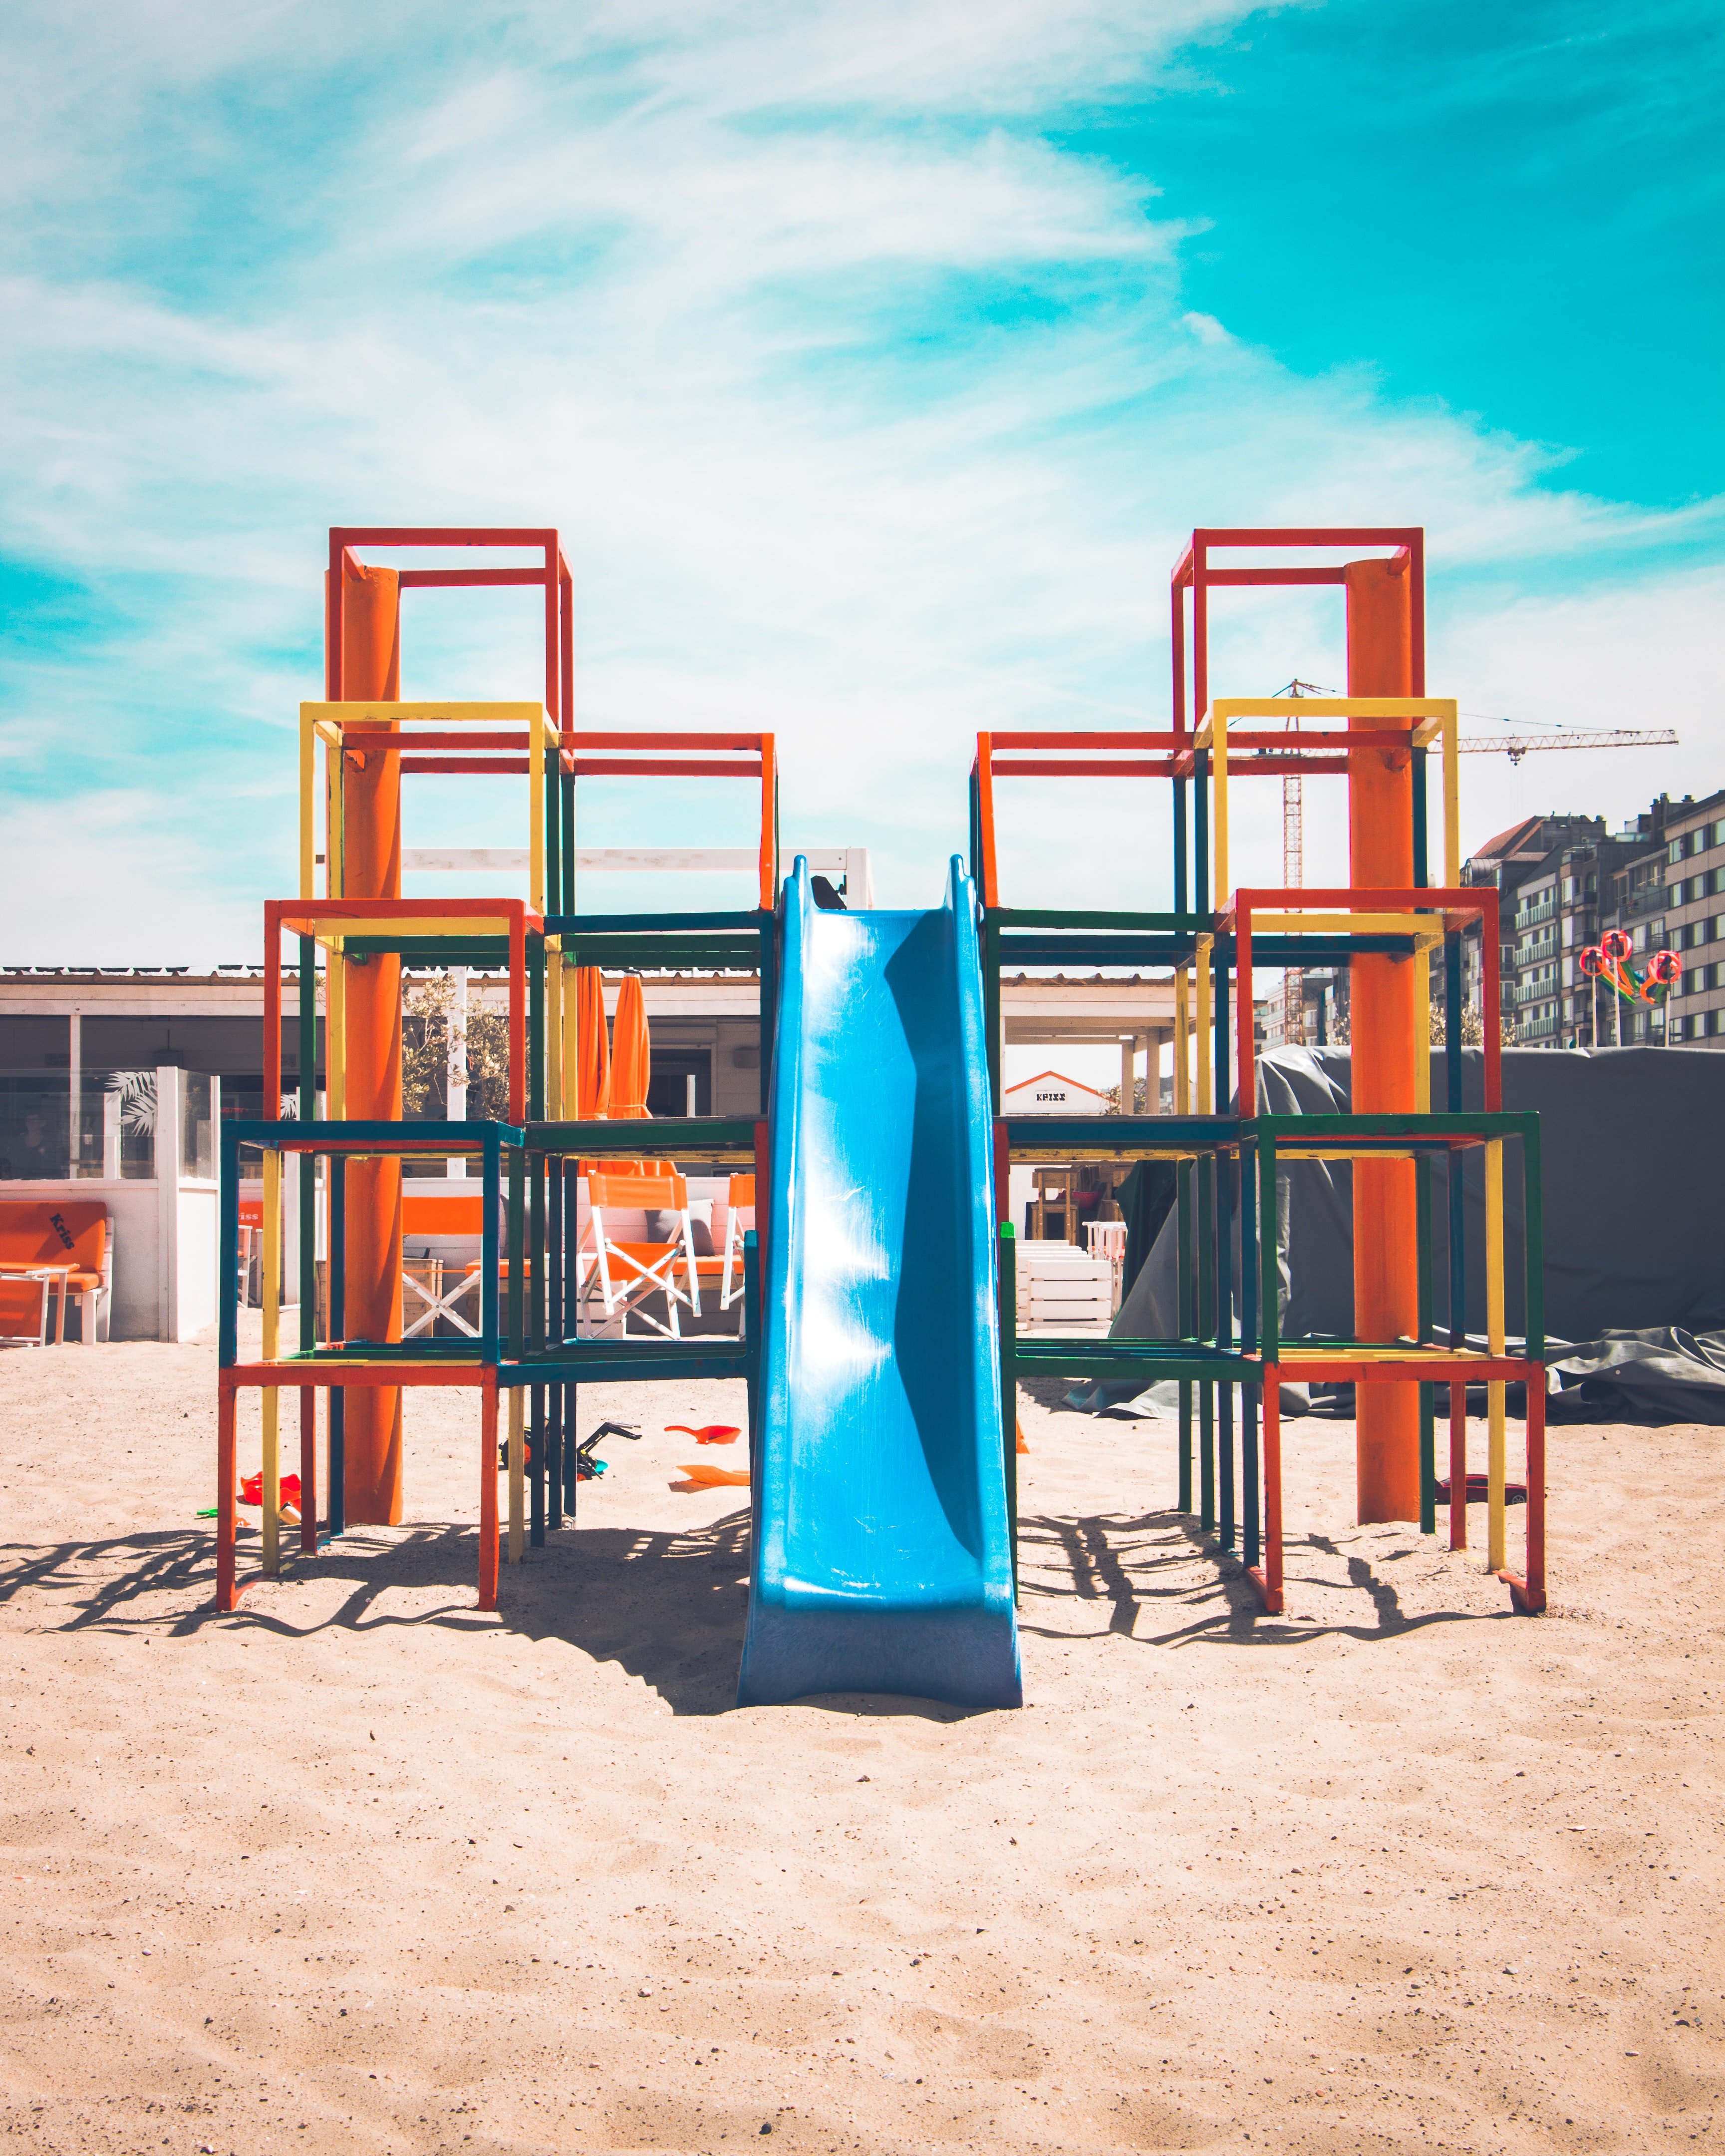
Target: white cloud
[{"x": 869, "y": 415}]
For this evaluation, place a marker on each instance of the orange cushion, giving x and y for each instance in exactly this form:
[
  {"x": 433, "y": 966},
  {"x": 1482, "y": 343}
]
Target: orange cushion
[
  {"x": 21, "y": 1306},
  {"x": 441, "y": 1214},
  {"x": 46, "y": 1231}
]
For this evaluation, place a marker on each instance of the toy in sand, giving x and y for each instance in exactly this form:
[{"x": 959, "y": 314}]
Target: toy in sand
[
  {"x": 701, "y": 1476},
  {"x": 251, "y": 1493}
]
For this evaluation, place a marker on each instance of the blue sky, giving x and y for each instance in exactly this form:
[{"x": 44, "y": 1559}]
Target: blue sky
[{"x": 874, "y": 364}]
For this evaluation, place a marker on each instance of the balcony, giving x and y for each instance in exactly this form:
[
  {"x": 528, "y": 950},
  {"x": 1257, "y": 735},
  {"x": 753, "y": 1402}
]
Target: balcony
[
  {"x": 1537, "y": 1029},
  {"x": 1537, "y": 991},
  {"x": 1647, "y": 900},
  {"x": 1536, "y": 953},
  {"x": 1530, "y": 916}
]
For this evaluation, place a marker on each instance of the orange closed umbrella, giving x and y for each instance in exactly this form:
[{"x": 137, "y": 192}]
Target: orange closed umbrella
[
  {"x": 592, "y": 1048},
  {"x": 631, "y": 1051}
]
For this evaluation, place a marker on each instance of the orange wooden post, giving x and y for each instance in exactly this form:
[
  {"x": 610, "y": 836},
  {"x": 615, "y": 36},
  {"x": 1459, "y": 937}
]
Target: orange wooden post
[
  {"x": 371, "y": 863},
  {"x": 1382, "y": 1004}
]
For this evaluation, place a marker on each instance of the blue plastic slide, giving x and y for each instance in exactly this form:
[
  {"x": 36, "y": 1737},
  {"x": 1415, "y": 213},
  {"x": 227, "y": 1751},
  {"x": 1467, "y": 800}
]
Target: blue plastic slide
[{"x": 881, "y": 1556}]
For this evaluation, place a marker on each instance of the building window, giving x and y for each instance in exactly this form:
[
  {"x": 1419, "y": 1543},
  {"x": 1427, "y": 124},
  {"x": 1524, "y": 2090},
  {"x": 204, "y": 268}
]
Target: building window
[
  {"x": 1716, "y": 1021},
  {"x": 1719, "y": 833}
]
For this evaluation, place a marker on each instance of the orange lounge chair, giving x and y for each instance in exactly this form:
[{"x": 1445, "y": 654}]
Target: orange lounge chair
[{"x": 67, "y": 1247}]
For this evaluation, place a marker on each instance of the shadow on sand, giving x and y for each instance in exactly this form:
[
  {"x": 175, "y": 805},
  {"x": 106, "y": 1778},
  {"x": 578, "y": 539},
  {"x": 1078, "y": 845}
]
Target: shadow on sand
[{"x": 669, "y": 1606}]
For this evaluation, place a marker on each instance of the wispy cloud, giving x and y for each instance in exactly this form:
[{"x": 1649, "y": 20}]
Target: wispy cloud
[{"x": 869, "y": 412}]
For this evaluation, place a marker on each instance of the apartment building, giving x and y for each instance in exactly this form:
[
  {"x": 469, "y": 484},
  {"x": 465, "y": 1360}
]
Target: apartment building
[
  {"x": 1546, "y": 870},
  {"x": 1671, "y": 896},
  {"x": 1565, "y": 880}
]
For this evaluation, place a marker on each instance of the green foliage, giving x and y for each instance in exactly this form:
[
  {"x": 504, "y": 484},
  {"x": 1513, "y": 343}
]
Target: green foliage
[{"x": 428, "y": 1020}]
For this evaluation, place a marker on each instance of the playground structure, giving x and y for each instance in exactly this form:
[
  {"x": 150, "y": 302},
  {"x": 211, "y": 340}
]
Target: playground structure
[
  {"x": 1386, "y": 925},
  {"x": 879, "y": 1339}
]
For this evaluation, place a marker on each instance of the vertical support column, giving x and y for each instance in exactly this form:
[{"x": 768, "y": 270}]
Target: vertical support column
[
  {"x": 517, "y": 1473},
  {"x": 1496, "y": 1495},
  {"x": 1008, "y": 1277},
  {"x": 270, "y": 1398},
  {"x": 227, "y": 1468},
  {"x": 1458, "y": 1459},
  {"x": 488, "y": 1493},
  {"x": 1530, "y": 1596},
  {"x": 335, "y": 1169},
  {"x": 75, "y": 1097},
  {"x": 1249, "y": 1285},
  {"x": 367, "y": 662},
  {"x": 1381, "y": 603},
  {"x": 455, "y": 1083},
  {"x": 536, "y": 1467},
  {"x": 169, "y": 1119},
  {"x": 308, "y": 1471},
  {"x": 1269, "y": 1582},
  {"x": 752, "y": 1336}
]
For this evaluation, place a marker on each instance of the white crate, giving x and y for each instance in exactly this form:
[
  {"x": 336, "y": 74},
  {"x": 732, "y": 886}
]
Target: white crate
[{"x": 1062, "y": 1289}]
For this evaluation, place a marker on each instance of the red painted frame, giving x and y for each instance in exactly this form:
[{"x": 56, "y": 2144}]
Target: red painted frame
[
  {"x": 263, "y": 1376},
  {"x": 1123, "y": 757},
  {"x": 1527, "y": 1590},
  {"x": 1193, "y": 572},
  {"x": 553, "y": 575},
  {"x": 666, "y": 756},
  {"x": 303, "y": 916},
  {"x": 1474, "y": 901}
]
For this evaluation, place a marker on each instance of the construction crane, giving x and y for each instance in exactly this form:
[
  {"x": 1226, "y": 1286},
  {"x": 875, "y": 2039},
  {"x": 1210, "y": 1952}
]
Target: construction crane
[{"x": 1514, "y": 746}]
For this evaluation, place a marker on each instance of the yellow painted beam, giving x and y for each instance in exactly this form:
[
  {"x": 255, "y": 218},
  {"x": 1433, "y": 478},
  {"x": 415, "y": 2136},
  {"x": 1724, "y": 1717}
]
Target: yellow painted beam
[
  {"x": 461, "y": 714},
  {"x": 553, "y": 1024},
  {"x": 1206, "y": 1061},
  {"x": 517, "y": 1476},
  {"x": 1302, "y": 923},
  {"x": 1434, "y": 719},
  {"x": 1225, "y": 708},
  {"x": 1452, "y": 805},
  {"x": 393, "y": 924},
  {"x": 1183, "y": 1038}
]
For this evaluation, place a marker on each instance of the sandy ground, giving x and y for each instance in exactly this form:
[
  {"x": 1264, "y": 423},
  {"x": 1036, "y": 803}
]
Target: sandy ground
[{"x": 359, "y": 1868}]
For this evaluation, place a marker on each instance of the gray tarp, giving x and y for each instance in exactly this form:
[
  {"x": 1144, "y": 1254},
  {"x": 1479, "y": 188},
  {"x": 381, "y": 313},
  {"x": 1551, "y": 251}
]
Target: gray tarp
[{"x": 1632, "y": 1152}]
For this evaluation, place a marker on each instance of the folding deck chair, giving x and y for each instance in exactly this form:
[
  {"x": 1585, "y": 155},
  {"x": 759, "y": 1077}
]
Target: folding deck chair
[{"x": 628, "y": 1273}]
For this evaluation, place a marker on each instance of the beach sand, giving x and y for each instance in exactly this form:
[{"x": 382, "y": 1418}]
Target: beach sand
[{"x": 360, "y": 1868}]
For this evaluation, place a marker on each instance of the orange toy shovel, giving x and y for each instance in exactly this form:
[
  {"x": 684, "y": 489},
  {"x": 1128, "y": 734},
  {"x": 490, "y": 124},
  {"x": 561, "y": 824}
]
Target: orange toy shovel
[{"x": 702, "y": 1476}]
